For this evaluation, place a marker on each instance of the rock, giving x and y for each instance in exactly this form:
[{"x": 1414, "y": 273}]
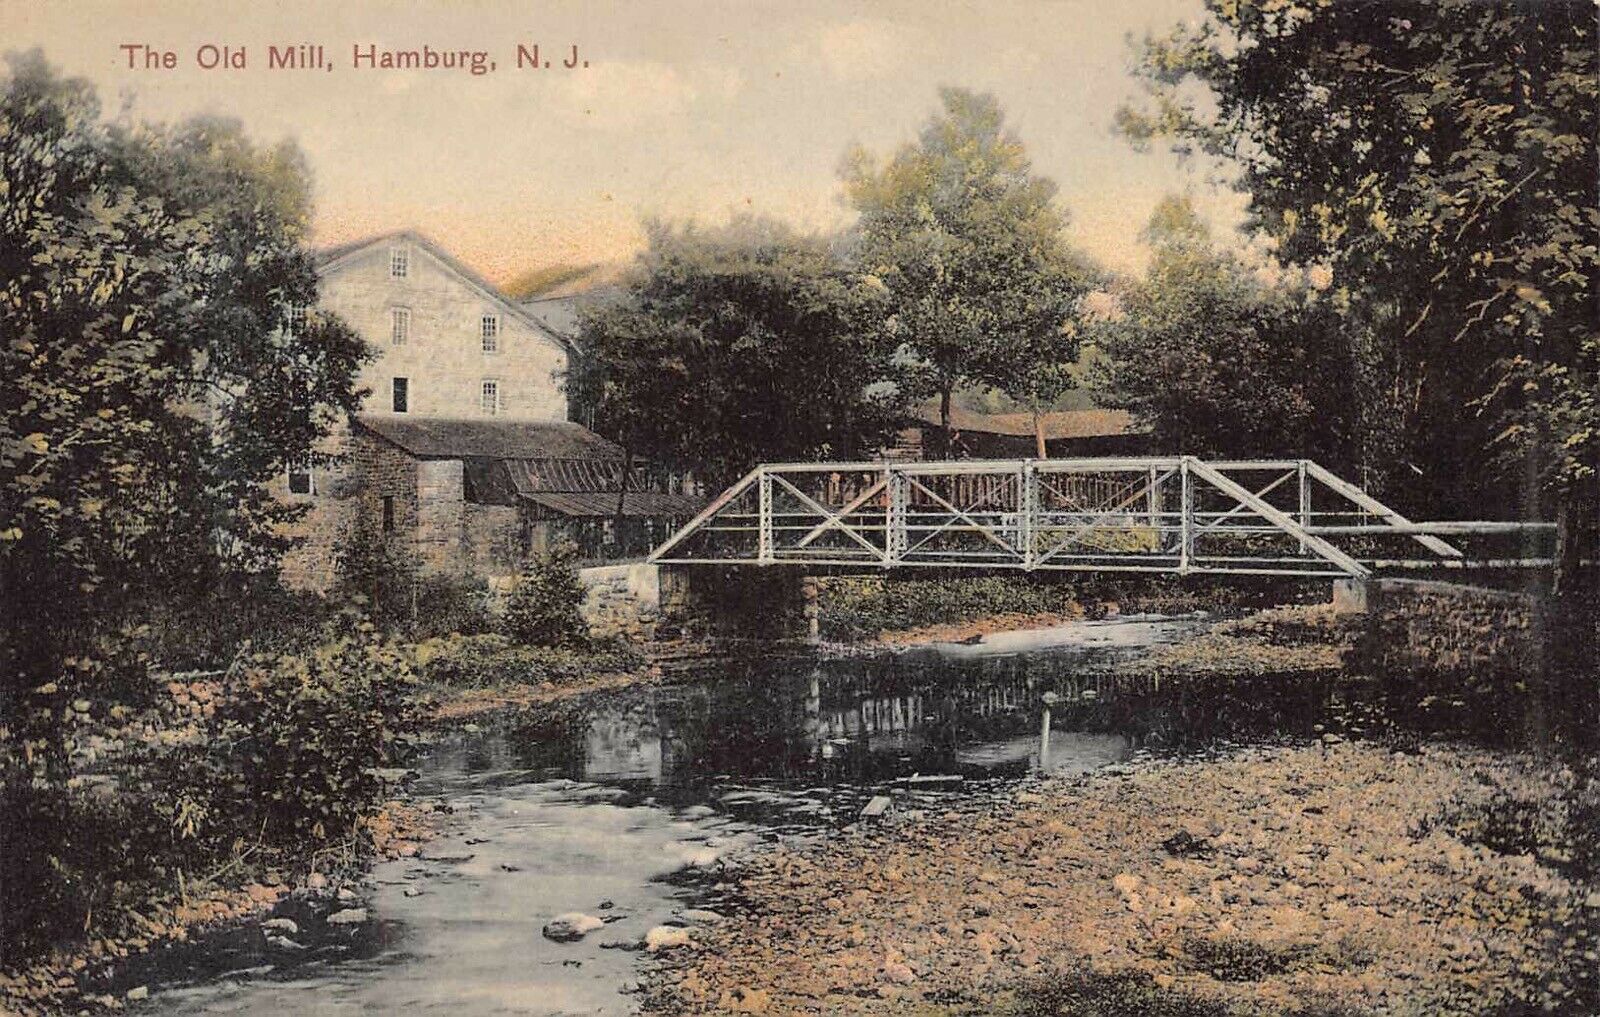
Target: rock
[
  {"x": 629, "y": 945},
  {"x": 898, "y": 973},
  {"x": 702, "y": 916},
  {"x": 876, "y": 808},
  {"x": 1592, "y": 901},
  {"x": 1184, "y": 844},
  {"x": 348, "y": 916},
  {"x": 743, "y": 1000},
  {"x": 570, "y": 927},
  {"x": 142, "y": 992},
  {"x": 346, "y": 895},
  {"x": 667, "y": 937},
  {"x": 1126, "y": 883},
  {"x": 316, "y": 881},
  {"x": 284, "y": 943},
  {"x": 286, "y": 926}
]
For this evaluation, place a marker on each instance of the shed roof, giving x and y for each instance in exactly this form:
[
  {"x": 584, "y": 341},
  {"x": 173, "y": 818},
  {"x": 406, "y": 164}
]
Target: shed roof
[
  {"x": 446, "y": 438},
  {"x": 1058, "y": 424},
  {"x": 604, "y": 503}
]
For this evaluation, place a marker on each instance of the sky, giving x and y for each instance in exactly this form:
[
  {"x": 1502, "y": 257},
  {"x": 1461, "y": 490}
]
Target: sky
[{"x": 686, "y": 110}]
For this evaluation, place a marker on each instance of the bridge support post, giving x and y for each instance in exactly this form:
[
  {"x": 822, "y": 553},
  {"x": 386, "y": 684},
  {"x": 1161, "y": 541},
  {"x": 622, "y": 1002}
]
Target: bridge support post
[
  {"x": 764, "y": 523},
  {"x": 1028, "y": 510},
  {"x": 894, "y": 536},
  {"x": 1305, "y": 502},
  {"x": 1186, "y": 523}
]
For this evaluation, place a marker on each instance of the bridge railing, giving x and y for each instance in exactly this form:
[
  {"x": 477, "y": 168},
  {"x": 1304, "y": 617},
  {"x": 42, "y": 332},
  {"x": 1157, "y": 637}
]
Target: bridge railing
[{"x": 1174, "y": 514}]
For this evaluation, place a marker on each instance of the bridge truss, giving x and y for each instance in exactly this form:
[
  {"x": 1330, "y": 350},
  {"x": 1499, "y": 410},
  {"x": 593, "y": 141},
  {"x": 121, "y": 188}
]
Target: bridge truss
[{"x": 1172, "y": 514}]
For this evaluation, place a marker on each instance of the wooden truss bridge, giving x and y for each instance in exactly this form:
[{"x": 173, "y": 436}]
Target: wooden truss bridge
[{"x": 1172, "y": 514}]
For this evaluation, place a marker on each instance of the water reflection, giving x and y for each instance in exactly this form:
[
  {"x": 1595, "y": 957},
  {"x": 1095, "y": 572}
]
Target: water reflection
[
  {"x": 623, "y": 806},
  {"x": 858, "y": 721}
]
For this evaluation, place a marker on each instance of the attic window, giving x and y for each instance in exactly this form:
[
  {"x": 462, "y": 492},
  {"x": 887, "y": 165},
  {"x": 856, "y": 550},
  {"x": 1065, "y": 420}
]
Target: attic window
[
  {"x": 490, "y": 330},
  {"x": 399, "y": 262}
]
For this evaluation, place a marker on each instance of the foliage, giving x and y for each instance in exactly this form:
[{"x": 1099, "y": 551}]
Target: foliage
[
  {"x": 862, "y": 608},
  {"x": 492, "y": 661},
  {"x": 278, "y": 760},
  {"x": 967, "y": 244},
  {"x": 378, "y": 573},
  {"x": 1218, "y": 360},
  {"x": 738, "y": 345},
  {"x": 1437, "y": 161},
  {"x": 543, "y": 608},
  {"x": 152, "y": 386}
]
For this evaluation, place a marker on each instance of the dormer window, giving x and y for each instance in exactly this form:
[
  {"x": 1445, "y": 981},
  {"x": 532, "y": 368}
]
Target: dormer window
[
  {"x": 489, "y": 328},
  {"x": 399, "y": 325},
  {"x": 399, "y": 262}
]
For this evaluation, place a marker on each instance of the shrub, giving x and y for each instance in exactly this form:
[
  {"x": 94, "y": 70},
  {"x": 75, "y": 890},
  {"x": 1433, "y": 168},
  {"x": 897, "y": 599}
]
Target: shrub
[
  {"x": 292, "y": 755},
  {"x": 107, "y": 817},
  {"x": 543, "y": 609},
  {"x": 863, "y": 607},
  {"x": 380, "y": 574},
  {"x": 447, "y": 604},
  {"x": 494, "y": 661}
]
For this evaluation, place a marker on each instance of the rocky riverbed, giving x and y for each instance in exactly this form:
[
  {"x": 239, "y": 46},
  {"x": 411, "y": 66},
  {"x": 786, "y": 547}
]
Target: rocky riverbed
[{"x": 1346, "y": 879}]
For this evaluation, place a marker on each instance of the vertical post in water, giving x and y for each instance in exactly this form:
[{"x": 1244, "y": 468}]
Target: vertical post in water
[
  {"x": 764, "y": 548},
  {"x": 1049, "y": 699},
  {"x": 1186, "y": 546},
  {"x": 1305, "y": 502}
]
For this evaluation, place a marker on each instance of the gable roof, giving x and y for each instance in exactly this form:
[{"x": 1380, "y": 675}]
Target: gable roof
[
  {"x": 331, "y": 258},
  {"x": 1058, "y": 424},
  {"x": 446, "y": 438}
]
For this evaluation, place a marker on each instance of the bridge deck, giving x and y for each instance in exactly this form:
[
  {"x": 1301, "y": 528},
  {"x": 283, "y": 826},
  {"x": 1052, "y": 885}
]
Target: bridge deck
[{"x": 1169, "y": 514}]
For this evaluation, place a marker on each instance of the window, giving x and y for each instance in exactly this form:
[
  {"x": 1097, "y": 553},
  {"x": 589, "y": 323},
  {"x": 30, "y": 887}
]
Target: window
[
  {"x": 401, "y": 394},
  {"x": 491, "y": 333},
  {"x": 388, "y": 513},
  {"x": 399, "y": 325},
  {"x": 297, "y": 319},
  {"x": 399, "y": 262},
  {"x": 491, "y": 397},
  {"x": 301, "y": 480}
]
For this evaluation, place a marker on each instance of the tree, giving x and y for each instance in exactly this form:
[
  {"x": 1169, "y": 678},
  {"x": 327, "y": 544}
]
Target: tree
[
  {"x": 735, "y": 346},
  {"x": 1219, "y": 361},
  {"x": 154, "y": 381},
  {"x": 968, "y": 243},
  {"x": 1438, "y": 158}
]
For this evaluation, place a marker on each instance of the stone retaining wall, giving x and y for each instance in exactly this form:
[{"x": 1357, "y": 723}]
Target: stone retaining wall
[
  {"x": 1448, "y": 629},
  {"x": 636, "y": 601}
]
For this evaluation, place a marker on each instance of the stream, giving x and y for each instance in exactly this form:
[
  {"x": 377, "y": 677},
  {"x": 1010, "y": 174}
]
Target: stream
[{"x": 623, "y": 806}]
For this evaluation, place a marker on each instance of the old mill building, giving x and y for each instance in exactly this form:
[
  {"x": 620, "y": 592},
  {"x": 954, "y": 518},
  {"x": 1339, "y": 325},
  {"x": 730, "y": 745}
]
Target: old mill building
[{"x": 463, "y": 452}]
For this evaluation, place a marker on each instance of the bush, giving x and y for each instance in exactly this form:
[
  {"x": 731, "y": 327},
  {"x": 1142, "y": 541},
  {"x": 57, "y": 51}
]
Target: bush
[
  {"x": 543, "y": 609},
  {"x": 863, "y": 607},
  {"x": 268, "y": 766},
  {"x": 380, "y": 574},
  {"x": 448, "y": 604},
  {"x": 494, "y": 661}
]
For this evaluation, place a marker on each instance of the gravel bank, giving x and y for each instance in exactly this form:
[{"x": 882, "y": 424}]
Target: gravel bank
[{"x": 1335, "y": 880}]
